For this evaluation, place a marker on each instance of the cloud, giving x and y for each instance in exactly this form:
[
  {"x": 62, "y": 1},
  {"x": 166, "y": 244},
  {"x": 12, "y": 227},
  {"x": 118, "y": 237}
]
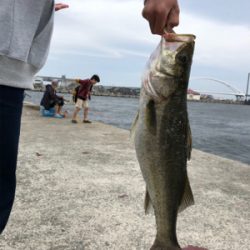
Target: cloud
[
  {"x": 114, "y": 29},
  {"x": 112, "y": 34},
  {"x": 218, "y": 44}
]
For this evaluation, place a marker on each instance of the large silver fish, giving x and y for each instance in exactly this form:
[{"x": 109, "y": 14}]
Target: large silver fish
[{"x": 162, "y": 135}]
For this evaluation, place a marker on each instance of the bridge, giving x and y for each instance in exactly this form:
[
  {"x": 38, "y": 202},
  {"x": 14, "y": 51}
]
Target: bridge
[
  {"x": 240, "y": 96},
  {"x": 234, "y": 91},
  {"x": 63, "y": 80}
]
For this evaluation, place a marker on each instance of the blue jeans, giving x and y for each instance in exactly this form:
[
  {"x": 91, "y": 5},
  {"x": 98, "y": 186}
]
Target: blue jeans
[
  {"x": 47, "y": 113},
  {"x": 11, "y": 102}
]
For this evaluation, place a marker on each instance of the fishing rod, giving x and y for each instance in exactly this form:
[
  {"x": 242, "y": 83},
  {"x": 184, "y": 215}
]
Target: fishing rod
[{"x": 25, "y": 94}]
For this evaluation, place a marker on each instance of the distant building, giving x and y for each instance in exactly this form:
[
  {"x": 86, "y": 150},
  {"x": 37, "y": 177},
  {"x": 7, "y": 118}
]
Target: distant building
[
  {"x": 193, "y": 95},
  {"x": 207, "y": 97},
  {"x": 38, "y": 83}
]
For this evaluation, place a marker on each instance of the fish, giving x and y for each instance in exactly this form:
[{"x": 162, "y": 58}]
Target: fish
[{"x": 162, "y": 135}]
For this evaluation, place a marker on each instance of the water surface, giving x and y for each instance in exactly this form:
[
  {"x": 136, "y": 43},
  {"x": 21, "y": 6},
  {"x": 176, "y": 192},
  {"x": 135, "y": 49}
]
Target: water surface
[{"x": 221, "y": 129}]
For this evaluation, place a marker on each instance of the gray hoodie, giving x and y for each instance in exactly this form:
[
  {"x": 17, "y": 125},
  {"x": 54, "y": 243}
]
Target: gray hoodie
[{"x": 25, "y": 32}]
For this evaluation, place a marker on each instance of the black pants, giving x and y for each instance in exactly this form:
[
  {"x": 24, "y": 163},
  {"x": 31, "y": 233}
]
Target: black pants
[
  {"x": 11, "y": 102},
  {"x": 53, "y": 103}
]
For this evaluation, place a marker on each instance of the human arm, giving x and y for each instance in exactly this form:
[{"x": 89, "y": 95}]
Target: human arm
[
  {"x": 90, "y": 91},
  {"x": 161, "y": 15},
  {"x": 61, "y": 97},
  {"x": 82, "y": 82},
  {"x": 60, "y": 6}
]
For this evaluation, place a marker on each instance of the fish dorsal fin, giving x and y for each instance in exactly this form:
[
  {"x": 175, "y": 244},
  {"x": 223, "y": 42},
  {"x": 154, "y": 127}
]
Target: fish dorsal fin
[
  {"x": 189, "y": 142},
  {"x": 150, "y": 117},
  {"x": 187, "y": 198}
]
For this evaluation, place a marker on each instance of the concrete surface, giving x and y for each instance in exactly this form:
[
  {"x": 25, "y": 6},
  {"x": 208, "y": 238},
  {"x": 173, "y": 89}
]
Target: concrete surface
[{"x": 79, "y": 187}]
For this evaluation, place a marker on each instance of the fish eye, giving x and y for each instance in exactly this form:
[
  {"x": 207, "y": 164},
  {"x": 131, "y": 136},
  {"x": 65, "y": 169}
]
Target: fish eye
[{"x": 183, "y": 59}]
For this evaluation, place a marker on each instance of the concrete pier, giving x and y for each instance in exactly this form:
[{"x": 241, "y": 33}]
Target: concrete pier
[{"x": 79, "y": 187}]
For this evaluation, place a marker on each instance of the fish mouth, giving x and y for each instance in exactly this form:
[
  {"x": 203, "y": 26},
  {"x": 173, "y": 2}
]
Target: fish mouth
[
  {"x": 173, "y": 37},
  {"x": 168, "y": 65}
]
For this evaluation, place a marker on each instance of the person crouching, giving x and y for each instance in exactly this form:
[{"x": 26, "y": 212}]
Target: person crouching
[{"x": 51, "y": 104}]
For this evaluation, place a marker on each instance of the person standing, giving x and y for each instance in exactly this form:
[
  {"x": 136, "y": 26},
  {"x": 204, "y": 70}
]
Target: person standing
[
  {"x": 25, "y": 34},
  {"x": 83, "y": 95}
]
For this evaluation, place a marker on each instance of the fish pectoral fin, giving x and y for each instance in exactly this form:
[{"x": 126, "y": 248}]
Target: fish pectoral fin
[
  {"x": 147, "y": 203},
  {"x": 150, "y": 117},
  {"x": 133, "y": 126},
  {"x": 187, "y": 198}
]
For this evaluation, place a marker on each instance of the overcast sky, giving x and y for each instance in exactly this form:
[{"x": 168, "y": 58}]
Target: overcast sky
[{"x": 112, "y": 39}]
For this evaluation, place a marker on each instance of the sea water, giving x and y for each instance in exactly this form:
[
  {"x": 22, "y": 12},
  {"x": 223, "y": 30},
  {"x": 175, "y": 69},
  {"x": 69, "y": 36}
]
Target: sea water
[{"x": 221, "y": 129}]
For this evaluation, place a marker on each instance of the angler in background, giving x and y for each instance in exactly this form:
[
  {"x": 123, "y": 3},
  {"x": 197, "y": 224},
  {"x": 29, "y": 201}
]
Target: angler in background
[
  {"x": 82, "y": 96},
  {"x": 51, "y": 103}
]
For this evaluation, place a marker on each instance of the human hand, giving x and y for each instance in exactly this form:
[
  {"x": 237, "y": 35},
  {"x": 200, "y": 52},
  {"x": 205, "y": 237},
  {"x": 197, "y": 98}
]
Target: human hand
[
  {"x": 60, "y": 6},
  {"x": 161, "y": 15}
]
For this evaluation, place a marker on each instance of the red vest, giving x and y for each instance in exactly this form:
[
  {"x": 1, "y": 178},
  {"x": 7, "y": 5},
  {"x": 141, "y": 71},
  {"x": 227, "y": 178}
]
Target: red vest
[{"x": 85, "y": 88}]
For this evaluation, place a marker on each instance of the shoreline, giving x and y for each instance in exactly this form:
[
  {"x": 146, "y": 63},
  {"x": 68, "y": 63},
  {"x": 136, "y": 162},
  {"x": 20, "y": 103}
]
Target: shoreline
[
  {"x": 82, "y": 188},
  {"x": 137, "y": 97},
  {"x": 226, "y": 152}
]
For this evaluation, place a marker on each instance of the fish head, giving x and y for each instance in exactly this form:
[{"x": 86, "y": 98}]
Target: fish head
[{"x": 169, "y": 66}]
